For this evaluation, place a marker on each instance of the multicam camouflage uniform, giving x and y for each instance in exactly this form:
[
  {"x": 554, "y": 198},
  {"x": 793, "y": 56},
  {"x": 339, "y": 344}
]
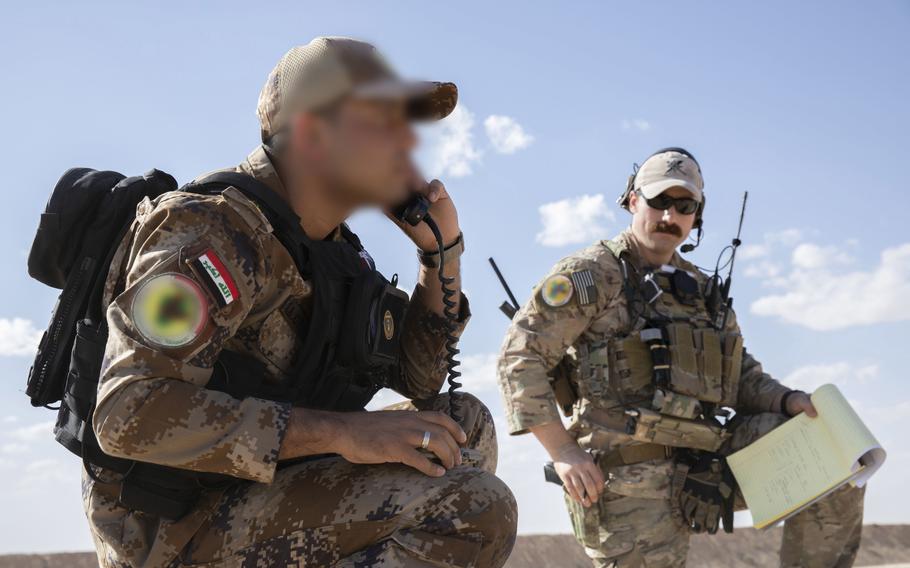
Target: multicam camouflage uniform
[
  {"x": 636, "y": 522},
  {"x": 152, "y": 407}
]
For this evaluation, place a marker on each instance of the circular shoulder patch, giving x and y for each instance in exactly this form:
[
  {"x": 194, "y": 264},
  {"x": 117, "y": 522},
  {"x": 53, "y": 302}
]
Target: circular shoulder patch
[
  {"x": 170, "y": 310},
  {"x": 557, "y": 290}
]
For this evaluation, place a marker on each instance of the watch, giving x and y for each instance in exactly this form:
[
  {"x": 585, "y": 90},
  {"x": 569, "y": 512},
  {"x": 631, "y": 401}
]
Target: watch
[{"x": 450, "y": 252}]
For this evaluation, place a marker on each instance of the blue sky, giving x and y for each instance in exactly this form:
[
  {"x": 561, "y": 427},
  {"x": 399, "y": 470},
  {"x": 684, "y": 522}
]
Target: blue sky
[{"x": 803, "y": 104}]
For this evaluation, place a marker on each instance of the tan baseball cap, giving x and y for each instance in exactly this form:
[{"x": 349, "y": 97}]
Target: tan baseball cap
[
  {"x": 669, "y": 169},
  {"x": 323, "y": 71}
]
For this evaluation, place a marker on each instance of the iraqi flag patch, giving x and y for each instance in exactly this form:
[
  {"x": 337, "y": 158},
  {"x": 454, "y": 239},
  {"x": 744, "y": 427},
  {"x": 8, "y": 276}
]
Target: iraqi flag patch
[{"x": 217, "y": 278}]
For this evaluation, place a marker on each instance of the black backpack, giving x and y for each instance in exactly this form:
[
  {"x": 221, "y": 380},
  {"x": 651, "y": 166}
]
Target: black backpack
[
  {"x": 86, "y": 217},
  {"x": 87, "y": 212}
]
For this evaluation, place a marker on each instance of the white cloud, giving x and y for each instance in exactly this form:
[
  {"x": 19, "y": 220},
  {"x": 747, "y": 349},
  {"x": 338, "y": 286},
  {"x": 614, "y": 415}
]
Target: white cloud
[
  {"x": 33, "y": 432},
  {"x": 452, "y": 150},
  {"x": 765, "y": 269},
  {"x": 810, "y": 377},
  {"x": 506, "y": 135},
  {"x": 479, "y": 372},
  {"x": 635, "y": 124},
  {"x": 819, "y": 292},
  {"x": 40, "y": 474},
  {"x": 811, "y": 256},
  {"x": 752, "y": 251},
  {"x": 770, "y": 240},
  {"x": 18, "y": 336},
  {"x": 574, "y": 220}
]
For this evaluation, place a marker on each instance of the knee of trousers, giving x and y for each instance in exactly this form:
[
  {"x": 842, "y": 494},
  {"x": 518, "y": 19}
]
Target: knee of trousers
[
  {"x": 473, "y": 413},
  {"x": 486, "y": 503},
  {"x": 477, "y": 422}
]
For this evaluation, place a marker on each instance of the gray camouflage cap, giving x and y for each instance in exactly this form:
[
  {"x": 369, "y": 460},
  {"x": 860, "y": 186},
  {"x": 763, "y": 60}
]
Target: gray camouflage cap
[{"x": 312, "y": 76}]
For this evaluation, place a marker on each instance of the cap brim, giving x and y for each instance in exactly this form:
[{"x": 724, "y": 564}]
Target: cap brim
[
  {"x": 426, "y": 100},
  {"x": 654, "y": 189}
]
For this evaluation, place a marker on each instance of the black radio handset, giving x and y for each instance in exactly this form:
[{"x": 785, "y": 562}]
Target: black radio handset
[{"x": 412, "y": 212}]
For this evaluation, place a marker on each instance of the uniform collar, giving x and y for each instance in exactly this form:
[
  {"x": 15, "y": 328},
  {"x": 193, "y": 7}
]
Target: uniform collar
[
  {"x": 260, "y": 166},
  {"x": 627, "y": 243}
]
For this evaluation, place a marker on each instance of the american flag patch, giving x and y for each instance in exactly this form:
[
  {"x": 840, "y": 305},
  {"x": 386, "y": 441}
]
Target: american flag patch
[{"x": 585, "y": 289}]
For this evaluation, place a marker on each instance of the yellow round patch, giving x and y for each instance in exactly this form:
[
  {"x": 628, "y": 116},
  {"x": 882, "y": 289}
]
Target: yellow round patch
[
  {"x": 557, "y": 290},
  {"x": 170, "y": 310}
]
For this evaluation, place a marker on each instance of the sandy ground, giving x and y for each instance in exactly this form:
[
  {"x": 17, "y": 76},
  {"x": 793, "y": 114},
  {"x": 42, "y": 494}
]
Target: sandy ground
[{"x": 883, "y": 546}]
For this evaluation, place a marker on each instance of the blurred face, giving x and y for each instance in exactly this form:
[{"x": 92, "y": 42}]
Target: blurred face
[
  {"x": 362, "y": 149},
  {"x": 660, "y": 230}
]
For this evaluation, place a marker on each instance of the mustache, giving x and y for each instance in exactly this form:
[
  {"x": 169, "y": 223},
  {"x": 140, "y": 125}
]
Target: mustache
[{"x": 667, "y": 228}]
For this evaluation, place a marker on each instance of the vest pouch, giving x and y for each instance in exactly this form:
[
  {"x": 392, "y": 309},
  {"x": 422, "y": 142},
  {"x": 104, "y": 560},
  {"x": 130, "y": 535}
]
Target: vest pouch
[
  {"x": 675, "y": 404},
  {"x": 594, "y": 370},
  {"x": 732, "y": 366},
  {"x": 371, "y": 327},
  {"x": 652, "y": 427},
  {"x": 710, "y": 362},
  {"x": 684, "y": 376},
  {"x": 629, "y": 365}
]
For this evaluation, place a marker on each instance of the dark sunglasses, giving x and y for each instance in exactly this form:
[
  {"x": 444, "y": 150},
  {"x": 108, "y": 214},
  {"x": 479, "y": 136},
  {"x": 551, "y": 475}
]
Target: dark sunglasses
[{"x": 683, "y": 205}]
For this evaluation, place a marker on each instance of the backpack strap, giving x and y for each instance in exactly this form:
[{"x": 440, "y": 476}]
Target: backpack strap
[
  {"x": 279, "y": 214},
  {"x": 276, "y": 209}
]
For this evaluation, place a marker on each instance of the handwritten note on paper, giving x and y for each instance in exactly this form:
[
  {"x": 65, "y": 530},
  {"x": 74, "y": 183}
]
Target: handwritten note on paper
[{"x": 804, "y": 459}]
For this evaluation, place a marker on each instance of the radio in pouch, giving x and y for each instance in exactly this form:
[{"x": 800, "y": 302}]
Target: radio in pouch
[{"x": 374, "y": 314}]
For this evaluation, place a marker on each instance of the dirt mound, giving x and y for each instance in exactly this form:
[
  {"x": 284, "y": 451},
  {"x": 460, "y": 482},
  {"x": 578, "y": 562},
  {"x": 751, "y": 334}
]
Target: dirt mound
[{"x": 882, "y": 544}]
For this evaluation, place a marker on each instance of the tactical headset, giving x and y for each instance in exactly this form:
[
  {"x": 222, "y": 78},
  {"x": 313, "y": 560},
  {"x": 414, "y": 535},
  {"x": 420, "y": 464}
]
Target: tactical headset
[{"x": 623, "y": 200}]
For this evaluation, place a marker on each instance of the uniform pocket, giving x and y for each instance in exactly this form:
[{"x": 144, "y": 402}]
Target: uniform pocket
[
  {"x": 586, "y": 523},
  {"x": 646, "y": 480}
]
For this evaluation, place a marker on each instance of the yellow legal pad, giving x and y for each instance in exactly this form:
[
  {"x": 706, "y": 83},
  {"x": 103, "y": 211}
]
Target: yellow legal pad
[{"x": 805, "y": 458}]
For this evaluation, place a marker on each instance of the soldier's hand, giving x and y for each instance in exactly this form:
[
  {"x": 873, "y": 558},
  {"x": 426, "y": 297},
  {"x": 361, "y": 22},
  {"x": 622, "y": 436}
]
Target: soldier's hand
[
  {"x": 800, "y": 402},
  {"x": 442, "y": 209},
  {"x": 394, "y": 436},
  {"x": 582, "y": 478}
]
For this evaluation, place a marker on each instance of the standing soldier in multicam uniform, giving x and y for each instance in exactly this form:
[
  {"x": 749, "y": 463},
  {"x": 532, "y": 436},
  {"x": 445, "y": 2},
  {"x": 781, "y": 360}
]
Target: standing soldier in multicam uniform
[
  {"x": 651, "y": 363},
  {"x": 202, "y": 275}
]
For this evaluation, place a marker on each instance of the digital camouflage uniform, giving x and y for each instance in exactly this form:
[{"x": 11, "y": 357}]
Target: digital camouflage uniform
[
  {"x": 152, "y": 406},
  {"x": 636, "y": 523}
]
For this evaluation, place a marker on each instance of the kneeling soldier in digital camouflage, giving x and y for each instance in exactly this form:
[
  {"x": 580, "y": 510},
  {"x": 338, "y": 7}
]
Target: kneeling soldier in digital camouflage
[
  {"x": 650, "y": 361},
  {"x": 230, "y": 367}
]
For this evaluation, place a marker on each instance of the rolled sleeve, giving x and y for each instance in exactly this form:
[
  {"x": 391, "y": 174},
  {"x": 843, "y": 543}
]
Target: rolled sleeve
[
  {"x": 423, "y": 355},
  {"x": 539, "y": 338}
]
